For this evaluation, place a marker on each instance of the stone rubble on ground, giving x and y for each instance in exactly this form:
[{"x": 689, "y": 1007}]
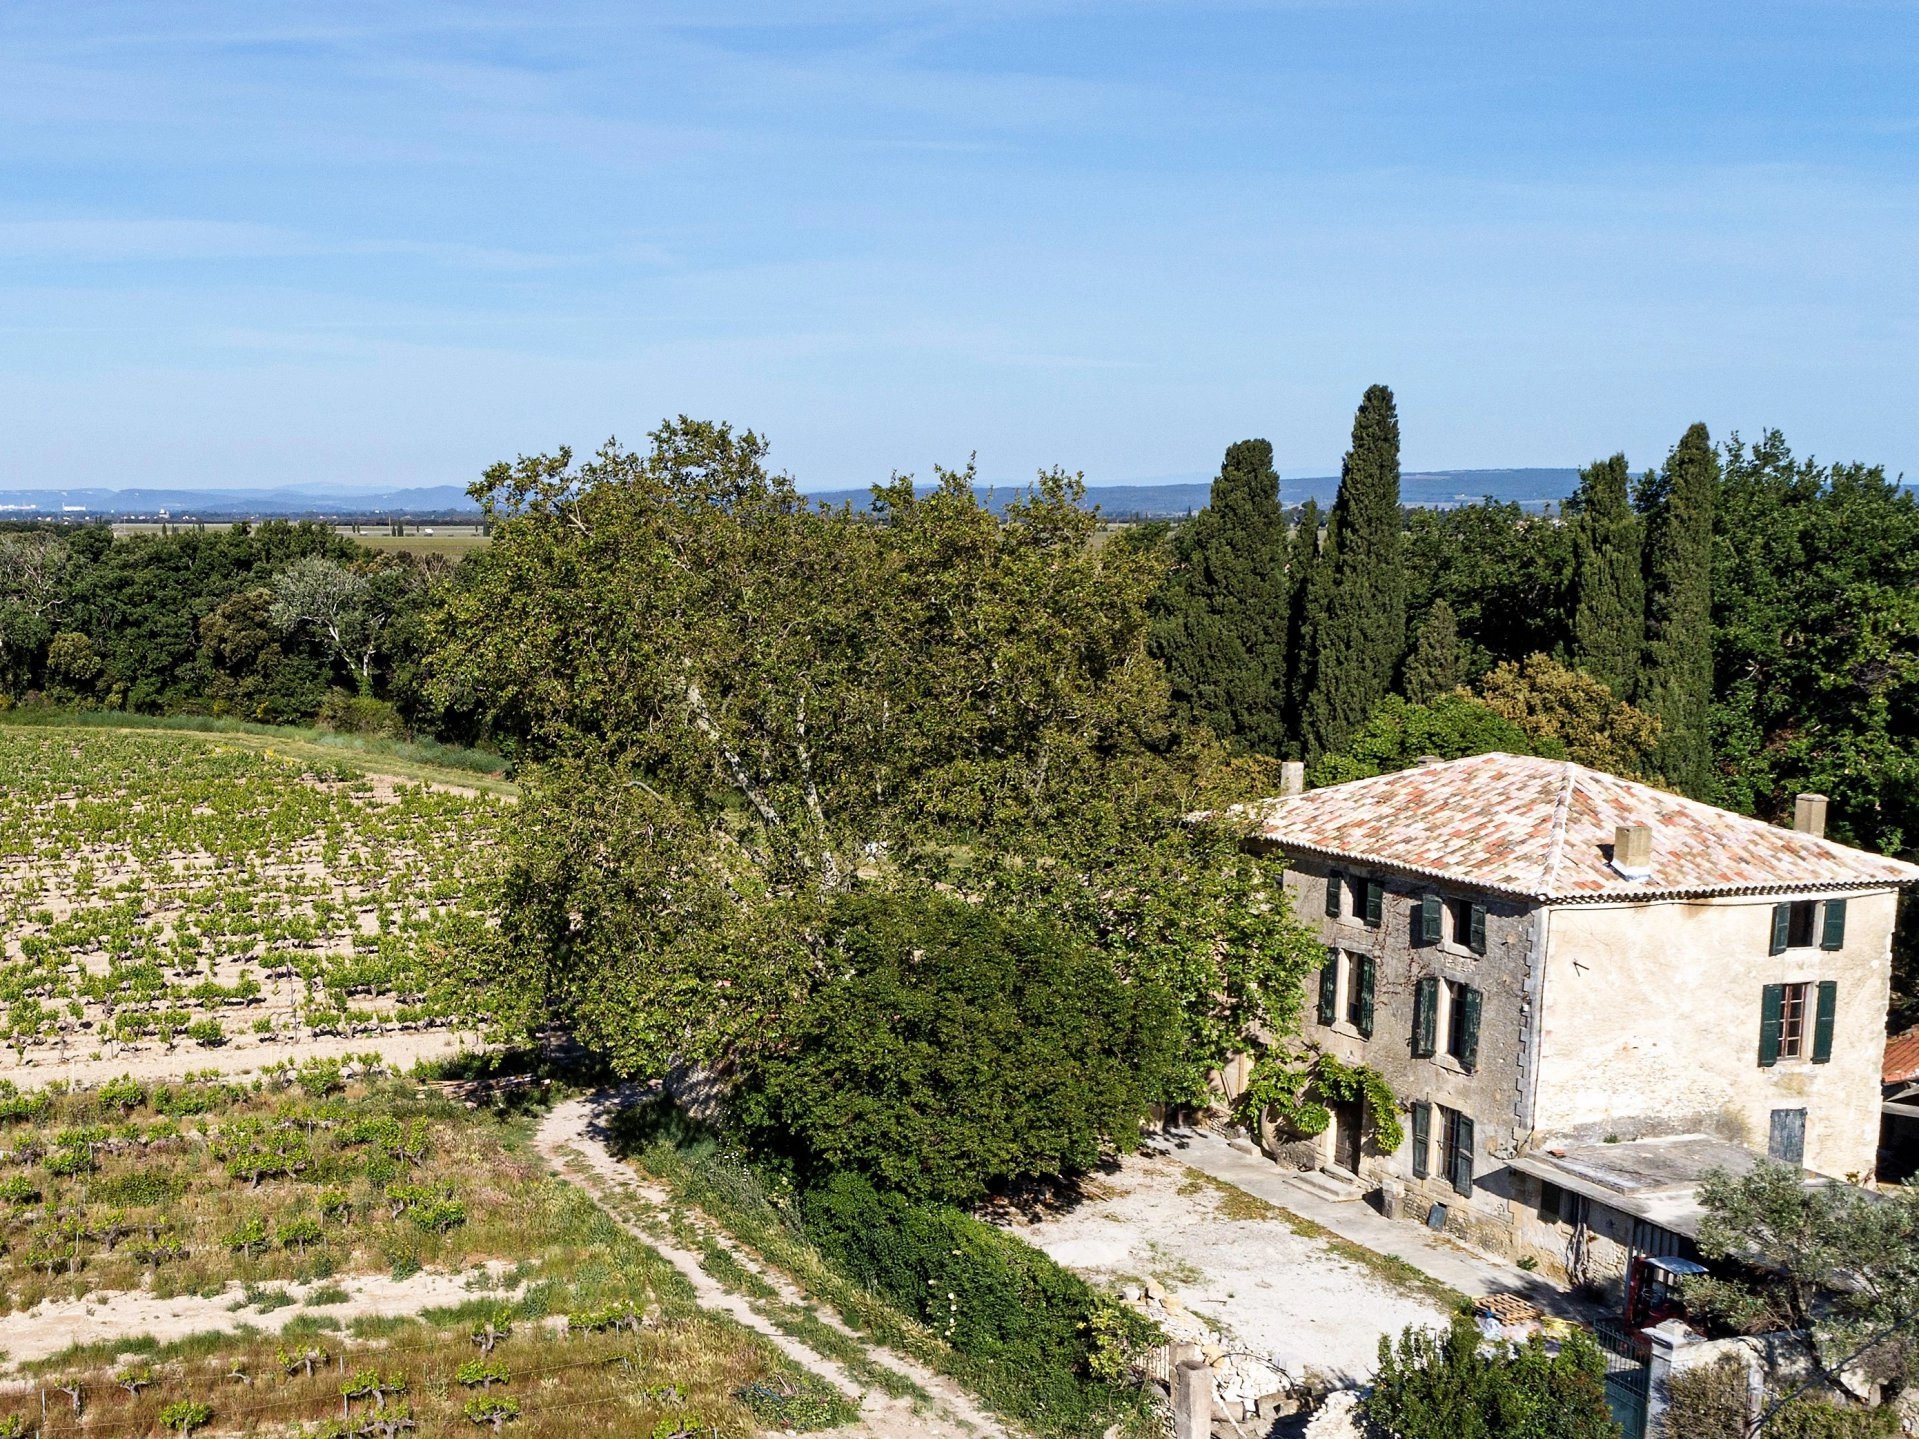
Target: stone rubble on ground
[{"x": 1244, "y": 1385}]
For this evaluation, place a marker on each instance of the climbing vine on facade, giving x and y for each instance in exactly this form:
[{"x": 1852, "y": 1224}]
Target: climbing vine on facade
[{"x": 1297, "y": 1090}]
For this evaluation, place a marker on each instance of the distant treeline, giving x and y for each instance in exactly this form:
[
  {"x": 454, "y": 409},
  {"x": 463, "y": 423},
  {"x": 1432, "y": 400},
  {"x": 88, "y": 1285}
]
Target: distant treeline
[{"x": 277, "y": 623}]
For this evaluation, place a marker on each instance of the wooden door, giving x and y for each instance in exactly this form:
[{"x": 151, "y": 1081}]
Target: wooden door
[{"x": 1347, "y": 1118}]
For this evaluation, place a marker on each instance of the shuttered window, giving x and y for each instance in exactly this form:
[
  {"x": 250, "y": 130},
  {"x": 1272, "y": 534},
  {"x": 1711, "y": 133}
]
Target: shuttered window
[
  {"x": 1476, "y": 929},
  {"x": 1375, "y": 901},
  {"x": 1334, "y": 883},
  {"x": 1429, "y": 919},
  {"x": 1360, "y": 1009},
  {"x": 1832, "y": 933},
  {"x": 1772, "y": 1006},
  {"x": 1457, "y": 1141},
  {"x": 1462, "y": 1032},
  {"x": 1781, "y": 927},
  {"x": 1828, "y": 1007},
  {"x": 1422, "y": 1138},
  {"x": 1329, "y": 988},
  {"x": 1425, "y": 1016}
]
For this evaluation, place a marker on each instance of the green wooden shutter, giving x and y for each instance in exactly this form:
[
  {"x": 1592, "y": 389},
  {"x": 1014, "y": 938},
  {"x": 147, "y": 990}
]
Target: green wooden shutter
[
  {"x": 1476, "y": 940},
  {"x": 1822, "y": 1024},
  {"x": 1469, "y": 1030},
  {"x": 1833, "y": 934},
  {"x": 1329, "y": 988},
  {"x": 1333, "y": 883},
  {"x": 1429, "y": 919},
  {"x": 1772, "y": 1004},
  {"x": 1422, "y": 1138},
  {"x": 1462, "y": 1157},
  {"x": 1363, "y": 996},
  {"x": 1425, "y": 1016},
  {"x": 1781, "y": 927},
  {"x": 1375, "y": 901}
]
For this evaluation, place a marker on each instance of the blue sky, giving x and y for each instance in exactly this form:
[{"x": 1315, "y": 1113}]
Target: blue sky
[{"x": 258, "y": 243}]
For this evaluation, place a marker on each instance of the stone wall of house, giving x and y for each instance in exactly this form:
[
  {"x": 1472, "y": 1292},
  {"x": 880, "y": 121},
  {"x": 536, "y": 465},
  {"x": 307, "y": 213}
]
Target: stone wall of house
[
  {"x": 1651, "y": 1020},
  {"x": 1492, "y": 1093}
]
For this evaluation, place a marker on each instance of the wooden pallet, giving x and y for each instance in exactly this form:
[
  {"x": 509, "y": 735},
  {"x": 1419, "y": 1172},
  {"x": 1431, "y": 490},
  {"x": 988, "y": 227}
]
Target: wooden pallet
[{"x": 1508, "y": 1308}]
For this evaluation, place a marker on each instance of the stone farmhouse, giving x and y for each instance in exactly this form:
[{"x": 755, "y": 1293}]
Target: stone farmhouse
[{"x": 1588, "y": 992}]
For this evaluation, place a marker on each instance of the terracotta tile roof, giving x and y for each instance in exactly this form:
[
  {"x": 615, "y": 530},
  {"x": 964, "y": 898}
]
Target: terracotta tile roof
[
  {"x": 1543, "y": 829},
  {"x": 1902, "y": 1057}
]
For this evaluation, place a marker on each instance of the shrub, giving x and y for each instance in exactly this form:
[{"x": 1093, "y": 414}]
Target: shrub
[
  {"x": 955, "y": 1049},
  {"x": 1448, "y": 1386},
  {"x": 125, "y": 1094},
  {"x": 493, "y": 1410},
  {"x": 248, "y": 1237},
  {"x": 990, "y": 1295},
  {"x": 186, "y": 1415},
  {"x": 297, "y": 1234},
  {"x": 1710, "y": 1402},
  {"x": 806, "y": 1403},
  {"x": 207, "y": 1032}
]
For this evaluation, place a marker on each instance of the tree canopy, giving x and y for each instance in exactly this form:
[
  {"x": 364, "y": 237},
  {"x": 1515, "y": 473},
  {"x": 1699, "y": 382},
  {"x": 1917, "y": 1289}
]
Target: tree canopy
[
  {"x": 951, "y": 1049},
  {"x": 738, "y": 705},
  {"x": 1220, "y": 626},
  {"x": 1359, "y": 638}
]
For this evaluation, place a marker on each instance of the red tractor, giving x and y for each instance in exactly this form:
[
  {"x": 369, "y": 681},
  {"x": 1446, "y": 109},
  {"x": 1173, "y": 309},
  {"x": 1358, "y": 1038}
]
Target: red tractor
[{"x": 1654, "y": 1289}]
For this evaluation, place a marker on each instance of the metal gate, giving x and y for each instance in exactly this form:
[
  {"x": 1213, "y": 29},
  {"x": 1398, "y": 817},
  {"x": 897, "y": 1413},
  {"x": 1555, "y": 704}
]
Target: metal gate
[{"x": 1628, "y": 1375}]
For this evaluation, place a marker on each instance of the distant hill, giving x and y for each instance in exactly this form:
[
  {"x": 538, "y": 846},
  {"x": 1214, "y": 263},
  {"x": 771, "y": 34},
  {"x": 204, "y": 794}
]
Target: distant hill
[
  {"x": 289, "y": 503},
  {"x": 1169, "y": 499},
  {"x": 1174, "y": 499}
]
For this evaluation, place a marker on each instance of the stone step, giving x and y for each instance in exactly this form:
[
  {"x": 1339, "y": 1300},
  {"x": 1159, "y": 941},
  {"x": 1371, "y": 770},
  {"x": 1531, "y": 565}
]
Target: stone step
[{"x": 1340, "y": 1188}]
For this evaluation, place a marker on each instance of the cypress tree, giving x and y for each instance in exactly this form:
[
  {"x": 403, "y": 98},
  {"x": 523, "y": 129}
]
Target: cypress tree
[
  {"x": 1362, "y": 637},
  {"x": 1436, "y": 666},
  {"x": 1608, "y": 588},
  {"x": 1676, "y": 683},
  {"x": 1221, "y": 630},
  {"x": 1306, "y": 576}
]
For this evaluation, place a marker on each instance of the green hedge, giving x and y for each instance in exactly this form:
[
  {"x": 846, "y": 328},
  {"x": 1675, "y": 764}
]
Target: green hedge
[{"x": 992, "y": 1296}]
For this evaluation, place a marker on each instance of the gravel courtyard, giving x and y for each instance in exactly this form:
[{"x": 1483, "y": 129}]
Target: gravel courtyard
[{"x": 1236, "y": 1264}]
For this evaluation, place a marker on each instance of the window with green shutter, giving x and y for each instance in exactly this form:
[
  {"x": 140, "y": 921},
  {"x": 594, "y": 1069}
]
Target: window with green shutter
[
  {"x": 1425, "y": 1016},
  {"x": 1329, "y": 988},
  {"x": 1334, "y": 882},
  {"x": 1375, "y": 901},
  {"x": 1822, "y": 1021},
  {"x": 1422, "y": 1138},
  {"x": 1781, "y": 928},
  {"x": 1460, "y": 1165},
  {"x": 1832, "y": 932},
  {"x": 1772, "y": 1005},
  {"x": 1360, "y": 1011},
  {"x": 1476, "y": 929},
  {"x": 1462, "y": 1035},
  {"x": 1428, "y": 916}
]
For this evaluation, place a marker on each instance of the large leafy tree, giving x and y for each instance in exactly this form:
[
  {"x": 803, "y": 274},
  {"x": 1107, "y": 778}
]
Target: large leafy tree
[
  {"x": 1830, "y": 1265},
  {"x": 1500, "y": 569},
  {"x": 736, "y": 705},
  {"x": 1559, "y": 706},
  {"x": 1222, "y": 620},
  {"x": 1608, "y": 587},
  {"x": 1676, "y": 683},
  {"x": 1361, "y": 638},
  {"x": 33, "y": 589},
  {"x": 1816, "y": 641}
]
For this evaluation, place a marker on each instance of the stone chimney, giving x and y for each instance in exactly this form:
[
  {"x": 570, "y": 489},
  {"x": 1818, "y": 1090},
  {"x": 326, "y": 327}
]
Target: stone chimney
[
  {"x": 1292, "y": 778},
  {"x": 1632, "y": 851},
  {"x": 1809, "y": 814}
]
